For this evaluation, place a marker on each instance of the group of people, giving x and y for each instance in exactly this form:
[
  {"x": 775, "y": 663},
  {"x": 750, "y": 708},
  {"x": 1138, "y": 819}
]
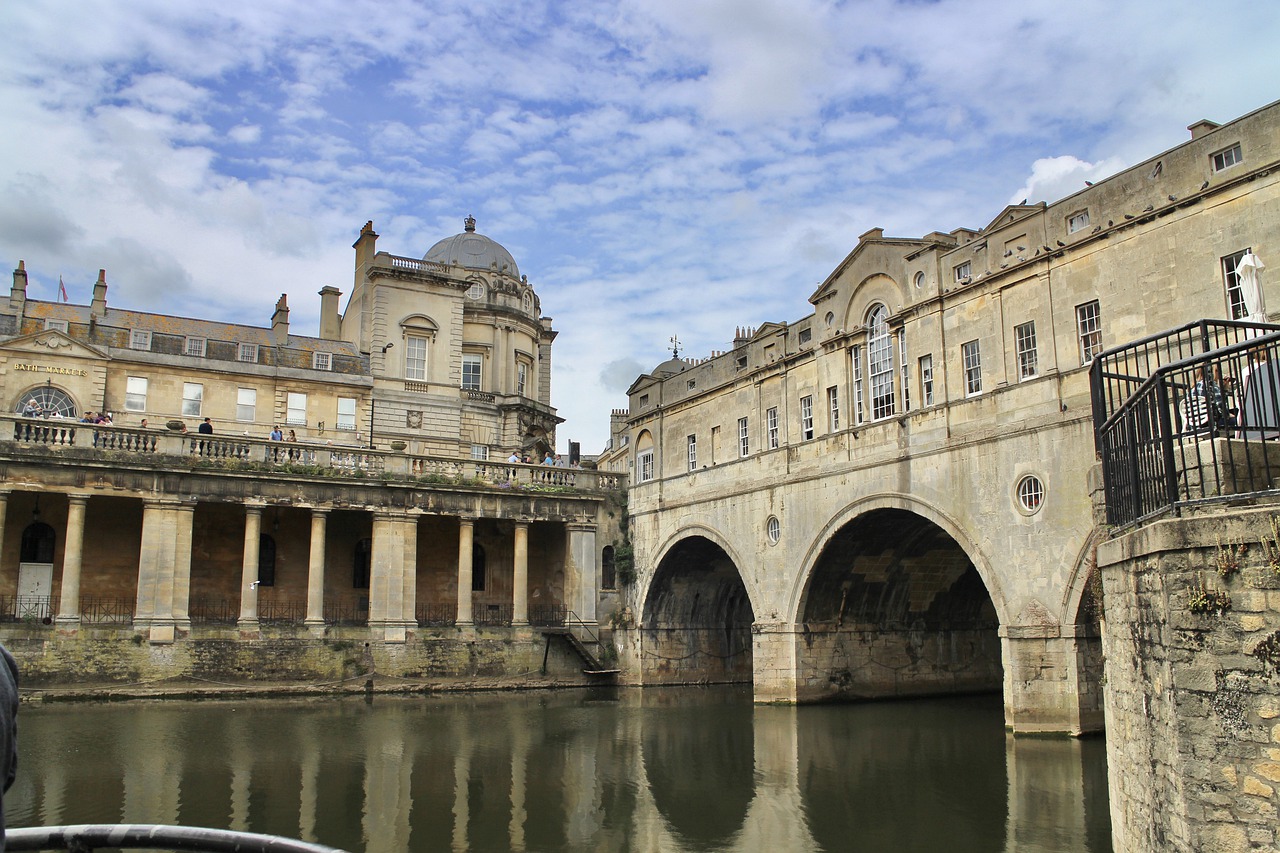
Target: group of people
[
  {"x": 102, "y": 418},
  {"x": 551, "y": 459},
  {"x": 277, "y": 435}
]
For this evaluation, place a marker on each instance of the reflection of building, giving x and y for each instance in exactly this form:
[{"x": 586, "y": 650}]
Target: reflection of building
[
  {"x": 148, "y": 522},
  {"x": 891, "y": 495}
]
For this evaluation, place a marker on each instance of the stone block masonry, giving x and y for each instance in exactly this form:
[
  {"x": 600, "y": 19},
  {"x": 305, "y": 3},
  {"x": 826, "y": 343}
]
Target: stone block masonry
[{"x": 1191, "y": 637}]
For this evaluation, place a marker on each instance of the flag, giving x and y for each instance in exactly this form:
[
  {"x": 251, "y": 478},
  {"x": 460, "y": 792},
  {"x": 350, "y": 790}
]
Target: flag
[{"x": 62, "y": 290}]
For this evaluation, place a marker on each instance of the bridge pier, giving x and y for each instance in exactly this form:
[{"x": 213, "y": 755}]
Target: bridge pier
[{"x": 1052, "y": 679}]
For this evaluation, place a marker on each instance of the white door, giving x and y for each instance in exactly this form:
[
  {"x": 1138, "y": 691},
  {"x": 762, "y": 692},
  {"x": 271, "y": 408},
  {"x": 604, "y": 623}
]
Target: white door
[{"x": 35, "y": 581}]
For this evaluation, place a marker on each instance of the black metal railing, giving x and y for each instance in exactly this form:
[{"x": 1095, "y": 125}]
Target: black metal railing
[
  {"x": 26, "y": 608},
  {"x": 547, "y": 615},
  {"x": 351, "y": 610},
  {"x": 98, "y": 610},
  {"x": 436, "y": 615},
  {"x": 271, "y": 609},
  {"x": 85, "y": 838},
  {"x": 491, "y": 614},
  {"x": 221, "y": 611},
  {"x": 1199, "y": 428}
]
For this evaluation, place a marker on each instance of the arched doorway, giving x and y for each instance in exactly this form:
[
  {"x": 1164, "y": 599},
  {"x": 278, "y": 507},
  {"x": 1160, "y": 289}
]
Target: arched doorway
[
  {"x": 35, "y": 571},
  {"x": 47, "y": 401},
  {"x": 696, "y": 623},
  {"x": 894, "y": 607}
]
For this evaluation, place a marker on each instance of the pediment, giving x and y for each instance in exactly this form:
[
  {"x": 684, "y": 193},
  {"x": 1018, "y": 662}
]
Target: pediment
[
  {"x": 1012, "y": 213},
  {"x": 51, "y": 342}
]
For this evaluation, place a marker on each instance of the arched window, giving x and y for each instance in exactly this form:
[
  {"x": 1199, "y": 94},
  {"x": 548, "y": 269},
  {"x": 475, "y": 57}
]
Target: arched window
[
  {"x": 47, "y": 401},
  {"x": 478, "y": 578},
  {"x": 360, "y": 570},
  {"x": 37, "y": 543},
  {"x": 608, "y": 579},
  {"x": 880, "y": 362},
  {"x": 266, "y": 561}
]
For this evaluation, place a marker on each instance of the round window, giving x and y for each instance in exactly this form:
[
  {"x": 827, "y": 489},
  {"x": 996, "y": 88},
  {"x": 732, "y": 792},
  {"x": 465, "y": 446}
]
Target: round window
[
  {"x": 831, "y": 318},
  {"x": 45, "y": 401},
  {"x": 919, "y": 280},
  {"x": 475, "y": 291},
  {"x": 1030, "y": 493},
  {"x": 773, "y": 529}
]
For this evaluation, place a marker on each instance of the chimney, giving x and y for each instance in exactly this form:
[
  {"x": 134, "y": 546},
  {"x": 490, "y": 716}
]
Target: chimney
[
  {"x": 18, "y": 296},
  {"x": 364, "y": 247},
  {"x": 330, "y": 323},
  {"x": 98, "y": 307},
  {"x": 1202, "y": 127},
  {"x": 280, "y": 322}
]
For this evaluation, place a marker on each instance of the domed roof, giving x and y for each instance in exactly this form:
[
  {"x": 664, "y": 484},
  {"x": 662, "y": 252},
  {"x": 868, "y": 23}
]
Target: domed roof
[{"x": 473, "y": 251}]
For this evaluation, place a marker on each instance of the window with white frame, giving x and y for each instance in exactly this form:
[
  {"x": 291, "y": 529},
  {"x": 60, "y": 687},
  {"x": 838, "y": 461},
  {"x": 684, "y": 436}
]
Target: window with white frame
[
  {"x": 692, "y": 446},
  {"x": 771, "y": 426},
  {"x": 346, "y": 413},
  {"x": 880, "y": 362},
  {"x": 472, "y": 364},
  {"x": 1237, "y": 307},
  {"x": 1089, "y": 323},
  {"x": 415, "y": 358},
  {"x": 247, "y": 352},
  {"x": 57, "y": 325},
  {"x": 247, "y": 404},
  {"x": 135, "y": 394},
  {"x": 295, "y": 413},
  {"x": 475, "y": 291},
  {"x": 856, "y": 359},
  {"x": 479, "y": 451},
  {"x": 1077, "y": 220},
  {"x": 194, "y": 347},
  {"x": 963, "y": 271},
  {"x": 833, "y": 408},
  {"x": 806, "y": 418},
  {"x": 322, "y": 360},
  {"x": 139, "y": 339},
  {"x": 926, "y": 380},
  {"x": 1227, "y": 157},
  {"x": 644, "y": 465},
  {"x": 744, "y": 442},
  {"x": 522, "y": 378},
  {"x": 805, "y": 336},
  {"x": 1024, "y": 344},
  {"x": 192, "y": 399},
  {"x": 971, "y": 356},
  {"x": 906, "y": 372}
]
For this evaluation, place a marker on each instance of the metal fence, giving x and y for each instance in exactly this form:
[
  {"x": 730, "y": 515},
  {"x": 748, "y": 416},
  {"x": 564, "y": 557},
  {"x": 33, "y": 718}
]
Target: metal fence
[{"x": 1202, "y": 427}]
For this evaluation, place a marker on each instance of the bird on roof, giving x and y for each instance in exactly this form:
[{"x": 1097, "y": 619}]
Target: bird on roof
[
  {"x": 1205, "y": 185},
  {"x": 1022, "y": 248},
  {"x": 1088, "y": 183},
  {"x": 1148, "y": 208},
  {"x": 1110, "y": 222},
  {"x": 1008, "y": 252},
  {"x": 1128, "y": 216},
  {"x": 1173, "y": 198},
  {"x": 1024, "y": 201},
  {"x": 1060, "y": 243},
  {"x": 1096, "y": 229}
]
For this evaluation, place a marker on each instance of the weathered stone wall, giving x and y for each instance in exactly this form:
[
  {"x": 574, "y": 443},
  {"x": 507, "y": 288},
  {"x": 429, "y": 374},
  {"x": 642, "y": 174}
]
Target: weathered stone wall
[{"x": 1193, "y": 691}]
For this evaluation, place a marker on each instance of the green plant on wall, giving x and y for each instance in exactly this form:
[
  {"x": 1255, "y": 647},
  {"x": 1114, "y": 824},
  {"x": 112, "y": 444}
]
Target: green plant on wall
[
  {"x": 1227, "y": 557},
  {"x": 624, "y": 562},
  {"x": 1271, "y": 546},
  {"x": 1204, "y": 599}
]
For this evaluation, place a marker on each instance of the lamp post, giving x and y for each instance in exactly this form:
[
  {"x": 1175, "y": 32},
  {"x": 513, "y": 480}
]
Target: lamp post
[{"x": 372, "y": 401}]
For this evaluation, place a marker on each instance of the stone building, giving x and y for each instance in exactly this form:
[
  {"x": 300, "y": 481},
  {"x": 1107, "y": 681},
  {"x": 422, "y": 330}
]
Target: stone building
[
  {"x": 260, "y": 485},
  {"x": 892, "y": 495}
]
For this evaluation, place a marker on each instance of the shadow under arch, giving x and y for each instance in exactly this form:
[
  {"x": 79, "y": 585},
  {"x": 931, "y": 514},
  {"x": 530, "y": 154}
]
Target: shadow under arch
[
  {"x": 892, "y": 605},
  {"x": 695, "y": 623},
  {"x": 1082, "y": 608}
]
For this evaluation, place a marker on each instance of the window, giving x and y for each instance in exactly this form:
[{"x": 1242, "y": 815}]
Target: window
[
  {"x": 806, "y": 418},
  {"x": 480, "y": 451},
  {"x": 360, "y": 565},
  {"x": 296, "y": 409},
  {"x": 972, "y": 359},
  {"x": 522, "y": 378},
  {"x": 771, "y": 426},
  {"x": 139, "y": 339},
  {"x": 1227, "y": 158},
  {"x": 1237, "y": 308},
  {"x": 806, "y": 335},
  {"x": 248, "y": 352},
  {"x": 1089, "y": 322},
  {"x": 526, "y": 302},
  {"x": 744, "y": 442},
  {"x": 691, "y": 384},
  {"x": 475, "y": 291},
  {"x": 1024, "y": 338},
  {"x": 773, "y": 529},
  {"x": 57, "y": 325},
  {"x": 740, "y": 363},
  {"x": 644, "y": 461},
  {"x": 135, "y": 394},
  {"x": 38, "y": 543},
  {"x": 830, "y": 319},
  {"x": 192, "y": 397},
  {"x": 926, "y": 380},
  {"x": 963, "y": 271},
  {"x": 692, "y": 444},
  {"x": 266, "y": 560},
  {"x": 880, "y": 362},
  {"x": 415, "y": 358},
  {"x": 644, "y": 400},
  {"x": 246, "y": 404},
  {"x": 322, "y": 361},
  {"x": 471, "y": 365},
  {"x": 1076, "y": 221},
  {"x": 906, "y": 385},
  {"x": 833, "y": 407},
  {"x": 1030, "y": 493},
  {"x": 479, "y": 579},
  {"x": 857, "y": 384},
  {"x": 194, "y": 347},
  {"x": 608, "y": 572},
  {"x": 346, "y": 413},
  {"x": 919, "y": 280}
]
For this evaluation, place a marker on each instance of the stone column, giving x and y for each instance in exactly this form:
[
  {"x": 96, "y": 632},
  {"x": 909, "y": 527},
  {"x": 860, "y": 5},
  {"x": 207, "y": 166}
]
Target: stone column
[
  {"x": 4, "y": 506},
  {"x": 184, "y": 516},
  {"x": 72, "y": 553},
  {"x": 773, "y": 659},
  {"x": 315, "y": 569},
  {"x": 248, "y": 620},
  {"x": 520, "y": 580},
  {"x": 465, "y": 533},
  {"x": 409, "y": 588},
  {"x": 157, "y": 566},
  {"x": 582, "y": 571}
]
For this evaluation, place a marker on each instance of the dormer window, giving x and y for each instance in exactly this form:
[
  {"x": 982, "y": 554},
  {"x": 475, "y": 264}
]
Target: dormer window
[
  {"x": 963, "y": 271},
  {"x": 1077, "y": 220},
  {"x": 322, "y": 360},
  {"x": 248, "y": 353},
  {"x": 194, "y": 347},
  {"x": 1227, "y": 157},
  {"x": 140, "y": 339},
  {"x": 56, "y": 325}
]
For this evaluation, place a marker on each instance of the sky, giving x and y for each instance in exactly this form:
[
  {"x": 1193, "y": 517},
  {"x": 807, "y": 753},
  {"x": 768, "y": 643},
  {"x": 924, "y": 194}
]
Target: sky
[{"x": 657, "y": 168}]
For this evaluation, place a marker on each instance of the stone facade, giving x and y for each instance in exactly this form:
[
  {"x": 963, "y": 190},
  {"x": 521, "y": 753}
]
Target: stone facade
[
  {"x": 1192, "y": 703},
  {"x": 912, "y": 458}
]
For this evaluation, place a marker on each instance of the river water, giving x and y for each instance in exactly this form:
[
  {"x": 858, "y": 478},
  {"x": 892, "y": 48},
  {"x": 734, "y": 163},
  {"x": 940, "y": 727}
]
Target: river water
[{"x": 663, "y": 769}]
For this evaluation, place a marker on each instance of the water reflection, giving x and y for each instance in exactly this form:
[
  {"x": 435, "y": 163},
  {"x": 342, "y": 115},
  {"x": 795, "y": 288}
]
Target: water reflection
[{"x": 655, "y": 770}]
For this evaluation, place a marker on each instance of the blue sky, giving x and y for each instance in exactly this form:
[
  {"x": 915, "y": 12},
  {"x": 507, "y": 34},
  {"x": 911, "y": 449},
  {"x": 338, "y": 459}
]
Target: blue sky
[{"x": 657, "y": 168}]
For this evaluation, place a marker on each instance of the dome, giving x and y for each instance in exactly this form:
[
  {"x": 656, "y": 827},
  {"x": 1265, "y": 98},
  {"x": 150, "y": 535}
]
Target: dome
[
  {"x": 670, "y": 367},
  {"x": 473, "y": 251}
]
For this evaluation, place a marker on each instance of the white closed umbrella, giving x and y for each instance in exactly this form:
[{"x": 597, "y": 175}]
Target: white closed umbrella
[{"x": 1251, "y": 287}]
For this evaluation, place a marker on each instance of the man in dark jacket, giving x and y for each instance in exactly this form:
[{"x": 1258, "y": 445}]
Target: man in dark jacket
[{"x": 8, "y": 726}]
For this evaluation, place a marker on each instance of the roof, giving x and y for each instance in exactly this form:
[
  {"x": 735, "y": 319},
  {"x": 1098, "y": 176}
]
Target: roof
[{"x": 473, "y": 251}]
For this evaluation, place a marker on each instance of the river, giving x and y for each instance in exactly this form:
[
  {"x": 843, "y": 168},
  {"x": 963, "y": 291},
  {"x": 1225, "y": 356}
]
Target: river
[{"x": 663, "y": 769}]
